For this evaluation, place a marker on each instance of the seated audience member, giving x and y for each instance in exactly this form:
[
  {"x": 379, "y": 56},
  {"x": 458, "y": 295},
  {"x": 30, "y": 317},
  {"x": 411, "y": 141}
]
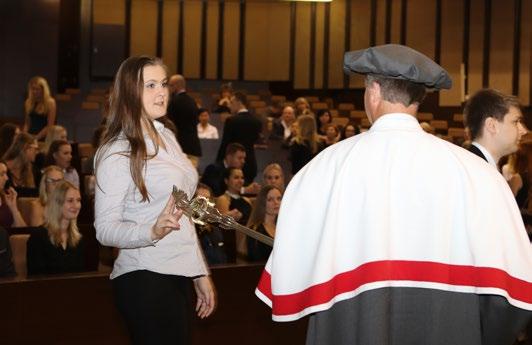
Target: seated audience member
[
  {"x": 273, "y": 175},
  {"x": 54, "y": 133},
  {"x": 350, "y": 130},
  {"x": 305, "y": 144},
  {"x": 515, "y": 171},
  {"x": 8, "y": 132},
  {"x": 263, "y": 219},
  {"x": 323, "y": 120},
  {"x": 211, "y": 237},
  {"x": 19, "y": 159},
  {"x": 281, "y": 129},
  {"x": 57, "y": 247},
  {"x": 213, "y": 176},
  {"x": 10, "y": 216},
  {"x": 39, "y": 108},
  {"x": 7, "y": 268},
  {"x": 60, "y": 154},
  {"x": 331, "y": 135},
  {"x": 233, "y": 204},
  {"x": 51, "y": 176},
  {"x": 223, "y": 103},
  {"x": 205, "y": 129},
  {"x": 302, "y": 107}
]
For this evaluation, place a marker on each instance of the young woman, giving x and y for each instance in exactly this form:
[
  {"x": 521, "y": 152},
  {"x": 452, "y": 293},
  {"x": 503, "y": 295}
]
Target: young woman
[
  {"x": 302, "y": 106},
  {"x": 19, "y": 160},
  {"x": 54, "y": 133},
  {"x": 233, "y": 204},
  {"x": 39, "y": 108},
  {"x": 351, "y": 129},
  {"x": 331, "y": 135},
  {"x": 323, "y": 119},
  {"x": 52, "y": 175},
  {"x": 60, "y": 154},
  {"x": 263, "y": 219},
  {"x": 8, "y": 131},
  {"x": 137, "y": 164},
  {"x": 10, "y": 216},
  {"x": 273, "y": 175},
  {"x": 211, "y": 236},
  {"x": 57, "y": 247},
  {"x": 305, "y": 144}
]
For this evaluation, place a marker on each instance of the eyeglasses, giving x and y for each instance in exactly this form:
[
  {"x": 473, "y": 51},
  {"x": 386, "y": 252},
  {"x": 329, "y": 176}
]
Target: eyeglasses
[{"x": 53, "y": 180}]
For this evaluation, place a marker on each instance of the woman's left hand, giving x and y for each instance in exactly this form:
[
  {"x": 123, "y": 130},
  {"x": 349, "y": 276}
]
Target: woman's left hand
[
  {"x": 10, "y": 197},
  {"x": 206, "y": 296}
]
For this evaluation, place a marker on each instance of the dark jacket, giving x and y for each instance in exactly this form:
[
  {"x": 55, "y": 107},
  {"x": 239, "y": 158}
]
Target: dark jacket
[
  {"x": 245, "y": 129},
  {"x": 182, "y": 110}
]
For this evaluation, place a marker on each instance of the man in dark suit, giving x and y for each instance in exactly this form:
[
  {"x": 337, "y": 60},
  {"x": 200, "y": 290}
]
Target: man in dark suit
[
  {"x": 494, "y": 121},
  {"x": 213, "y": 176},
  {"x": 183, "y": 111},
  {"x": 242, "y": 128},
  {"x": 281, "y": 127}
]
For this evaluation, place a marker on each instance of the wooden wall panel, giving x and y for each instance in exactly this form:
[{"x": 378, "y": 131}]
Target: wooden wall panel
[
  {"x": 107, "y": 12},
  {"x": 380, "y": 25},
  {"x": 337, "y": 45},
  {"x": 501, "y": 45},
  {"x": 170, "y": 34},
  {"x": 396, "y": 22},
  {"x": 212, "y": 40},
  {"x": 319, "y": 53},
  {"x": 231, "y": 40},
  {"x": 525, "y": 79},
  {"x": 279, "y": 41},
  {"x": 302, "y": 46},
  {"x": 452, "y": 14},
  {"x": 143, "y": 38},
  {"x": 360, "y": 32},
  {"x": 421, "y": 26},
  {"x": 476, "y": 45},
  {"x": 192, "y": 39},
  {"x": 256, "y": 66}
]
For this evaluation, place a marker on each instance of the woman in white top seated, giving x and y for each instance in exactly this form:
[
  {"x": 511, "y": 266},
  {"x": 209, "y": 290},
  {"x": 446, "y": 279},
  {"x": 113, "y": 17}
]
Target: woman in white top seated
[{"x": 137, "y": 164}]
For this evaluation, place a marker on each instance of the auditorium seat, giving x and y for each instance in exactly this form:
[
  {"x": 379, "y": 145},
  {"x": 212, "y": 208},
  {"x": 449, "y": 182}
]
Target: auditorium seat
[
  {"x": 425, "y": 117},
  {"x": 18, "y": 248},
  {"x": 319, "y": 106}
]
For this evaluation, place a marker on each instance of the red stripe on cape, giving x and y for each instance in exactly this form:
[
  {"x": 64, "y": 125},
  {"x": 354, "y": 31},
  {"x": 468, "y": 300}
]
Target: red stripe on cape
[{"x": 395, "y": 270}]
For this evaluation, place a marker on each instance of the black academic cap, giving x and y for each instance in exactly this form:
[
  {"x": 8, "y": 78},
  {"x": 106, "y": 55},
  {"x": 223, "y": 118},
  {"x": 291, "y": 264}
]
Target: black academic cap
[{"x": 397, "y": 61}]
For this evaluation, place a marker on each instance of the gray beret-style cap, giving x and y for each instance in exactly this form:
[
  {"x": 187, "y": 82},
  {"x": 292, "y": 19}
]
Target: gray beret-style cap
[{"x": 397, "y": 61}]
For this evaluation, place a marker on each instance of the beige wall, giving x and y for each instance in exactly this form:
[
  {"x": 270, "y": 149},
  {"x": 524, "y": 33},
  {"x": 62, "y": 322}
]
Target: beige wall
[{"x": 267, "y": 39}]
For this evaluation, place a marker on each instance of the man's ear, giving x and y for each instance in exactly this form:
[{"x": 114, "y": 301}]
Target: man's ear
[
  {"x": 374, "y": 92},
  {"x": 490, "y": 125}
]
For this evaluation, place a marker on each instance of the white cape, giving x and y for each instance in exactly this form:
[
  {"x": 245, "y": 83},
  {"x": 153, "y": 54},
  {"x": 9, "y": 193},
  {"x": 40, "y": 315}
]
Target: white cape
[{"x": 395, "y": 207}]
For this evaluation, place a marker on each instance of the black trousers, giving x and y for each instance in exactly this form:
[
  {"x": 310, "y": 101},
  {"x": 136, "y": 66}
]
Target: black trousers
[{"x": 156, "y": 307}]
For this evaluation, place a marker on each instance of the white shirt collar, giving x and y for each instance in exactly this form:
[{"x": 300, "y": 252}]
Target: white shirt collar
[{"x": 486, "y": 154}]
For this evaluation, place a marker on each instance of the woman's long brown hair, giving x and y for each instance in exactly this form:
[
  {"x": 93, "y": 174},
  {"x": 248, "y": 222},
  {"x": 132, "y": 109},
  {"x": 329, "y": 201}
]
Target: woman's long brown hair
[{"x": 126, "y": 117}]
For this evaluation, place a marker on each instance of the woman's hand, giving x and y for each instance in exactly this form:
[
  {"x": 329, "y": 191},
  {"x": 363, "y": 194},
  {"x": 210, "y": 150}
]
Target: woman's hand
[
  {"x": 167, "y": 221},
  {"x": 206, "y": 296},
  {"x": 236, "y": 214},
  {"x": 10, "y": 197}
]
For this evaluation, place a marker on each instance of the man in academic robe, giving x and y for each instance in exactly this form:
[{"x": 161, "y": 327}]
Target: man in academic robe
[
  {"x": 395, "y": 236},
  {"x": 495, "y": 123}
]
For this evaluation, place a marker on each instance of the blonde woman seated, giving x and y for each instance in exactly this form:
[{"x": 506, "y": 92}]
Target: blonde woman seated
[
  {"x": 57, "y": 247},
  {"x": 19, "y": 159},
  {"x": 232, "y": 203},
  {"x": 10, "y": 216},
  {"x": 52, "y": 175},
  {"x": 263, "y": 219},
  {"x": 273, "y": 175}
]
